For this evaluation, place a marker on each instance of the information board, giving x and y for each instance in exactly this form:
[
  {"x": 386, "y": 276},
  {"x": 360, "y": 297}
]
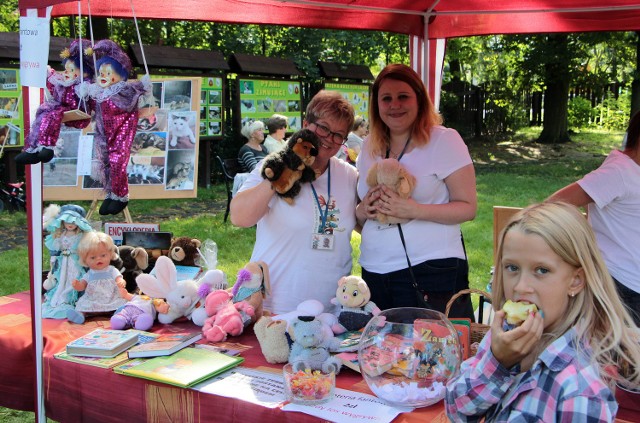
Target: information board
[
  {"x": 357, "y": 94},
  {"x": 260, "y": 99},
  {"x": 211, "y": 107},
  {"x": 11, "y": 122}
]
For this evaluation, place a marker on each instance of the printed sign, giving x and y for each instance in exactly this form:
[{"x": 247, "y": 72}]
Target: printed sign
[
  {"x": 260, "y": 99},
  {"x": 358, "y": 96}
]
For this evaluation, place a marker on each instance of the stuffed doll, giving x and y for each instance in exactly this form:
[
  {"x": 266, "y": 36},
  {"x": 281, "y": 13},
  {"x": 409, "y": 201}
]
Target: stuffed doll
[
  {"x": 40, "y": 142},
  {"x": 391, "y": 173},
  {"x": 252, "y": 286},
  {"x": 184, "y": 250},
  {"x": 139, "y": 312},
  {"x": 225, "y": 316},
  {"x": 311, "y": 346},
  {"x": 287, "y": 168},
  {"x": 100, "y": 285},
  {"x": 353, "y": 297},
  {"x": 116, "y": 118},
  {"x": 67, "y": 225}
]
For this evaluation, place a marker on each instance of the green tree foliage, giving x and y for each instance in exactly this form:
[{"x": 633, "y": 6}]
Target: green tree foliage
[{"x": 9, "y": 16}]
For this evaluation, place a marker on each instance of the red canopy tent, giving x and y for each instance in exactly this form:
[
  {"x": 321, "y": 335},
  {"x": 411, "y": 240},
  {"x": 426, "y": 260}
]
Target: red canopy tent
[{"x": 428, "y": 22}]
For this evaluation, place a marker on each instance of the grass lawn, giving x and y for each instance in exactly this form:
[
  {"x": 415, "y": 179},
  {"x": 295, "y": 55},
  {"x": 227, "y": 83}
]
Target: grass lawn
[{"x": 515, "y": 172}]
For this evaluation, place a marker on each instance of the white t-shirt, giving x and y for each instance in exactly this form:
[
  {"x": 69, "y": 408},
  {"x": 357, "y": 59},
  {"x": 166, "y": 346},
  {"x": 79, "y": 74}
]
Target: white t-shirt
[
  {"x": 284, "y": 238},
  {"x": 273, "y": 145},
  {"x": 615, "y": 215},
  {"x": 381, "y": 250}
]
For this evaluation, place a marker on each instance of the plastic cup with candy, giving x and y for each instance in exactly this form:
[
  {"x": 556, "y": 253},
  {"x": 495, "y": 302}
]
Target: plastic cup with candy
[{"x": 308, "y": 387}]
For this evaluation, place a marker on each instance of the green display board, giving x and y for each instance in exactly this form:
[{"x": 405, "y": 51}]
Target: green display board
[
  {"x": 11, "y": 121},
  {"x": 260, "y": 99},
  {"x": 357, "y": 94},
  {"x": 211, "y": 107}
]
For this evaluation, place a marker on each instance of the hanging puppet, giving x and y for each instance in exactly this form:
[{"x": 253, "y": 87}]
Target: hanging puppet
[
  {"x": 116, "y": 118},
  {"x": 41, "y": 140}
]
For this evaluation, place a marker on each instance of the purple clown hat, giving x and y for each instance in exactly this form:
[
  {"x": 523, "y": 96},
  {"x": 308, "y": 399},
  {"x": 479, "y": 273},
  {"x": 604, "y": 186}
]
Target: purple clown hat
[
  {"x": 73, "y": 53},
  {"x": 107, "y": 51}
]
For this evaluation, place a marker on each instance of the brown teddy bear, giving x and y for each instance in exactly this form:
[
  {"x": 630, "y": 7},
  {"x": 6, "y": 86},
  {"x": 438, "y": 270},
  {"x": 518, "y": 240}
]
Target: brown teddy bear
[
  {"x": 184, "y": 251},
  {"x": 390, "y": 173},
  {"x": 287, "y": 168}
]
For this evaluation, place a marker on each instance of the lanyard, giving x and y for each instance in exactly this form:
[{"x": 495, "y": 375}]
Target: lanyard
[
  {"x": 406, "y": 144},
  {"x": 324, "y": 215}
]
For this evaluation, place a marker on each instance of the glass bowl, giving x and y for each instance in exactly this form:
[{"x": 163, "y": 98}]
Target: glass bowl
[
  {"x": 407, "y": 355},
  {"x": 308, "y": 387}
]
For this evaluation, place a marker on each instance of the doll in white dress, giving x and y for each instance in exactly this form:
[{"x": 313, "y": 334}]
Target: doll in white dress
[
  {"x": 100, "y": 284},
  {"x": 66, "y": 226}
]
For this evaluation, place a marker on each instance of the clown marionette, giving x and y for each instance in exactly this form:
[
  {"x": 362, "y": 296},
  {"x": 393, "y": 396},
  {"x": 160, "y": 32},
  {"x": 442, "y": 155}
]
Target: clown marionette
[
  {"x": 41, "y": 141},
  {"x": 116, "y": 118}
]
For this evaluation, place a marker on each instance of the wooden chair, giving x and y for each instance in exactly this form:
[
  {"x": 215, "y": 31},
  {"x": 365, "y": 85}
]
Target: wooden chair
[{"x": 229, "y": 169}]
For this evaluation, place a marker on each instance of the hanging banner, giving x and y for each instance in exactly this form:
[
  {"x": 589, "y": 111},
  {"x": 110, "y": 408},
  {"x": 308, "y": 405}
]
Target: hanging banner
[{"x": 34, "y": 51}]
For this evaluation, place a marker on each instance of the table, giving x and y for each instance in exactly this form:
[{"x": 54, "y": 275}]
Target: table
[{"x": 76, "y": 392}]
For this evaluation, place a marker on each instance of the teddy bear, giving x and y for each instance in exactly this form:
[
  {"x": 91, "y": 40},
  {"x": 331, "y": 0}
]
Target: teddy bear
[
  {"x": 311, "y": 347},
  {"x": 131, "y": 261},
  {"x": 390, "y": 173},
  {"x": 225, "y": 317},
  {"x": 252, "y": 286},
  {"x": 352, "y": 296},
  {"x": 287, "y": 168},
  {"x": 272, "y": 337},
  {"x": 184, "y": 250}
]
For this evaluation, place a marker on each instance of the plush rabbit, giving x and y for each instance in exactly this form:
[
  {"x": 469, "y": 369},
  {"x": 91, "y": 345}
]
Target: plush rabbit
[{"x": 183, "y": 297}]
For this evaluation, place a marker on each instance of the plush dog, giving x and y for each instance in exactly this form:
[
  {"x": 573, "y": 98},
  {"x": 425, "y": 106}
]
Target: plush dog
[
  {"x": 134, "y": 260},
  {"x": 390, "y": 173},
  {"x": 184, "y": 251},
  {"x": 287, "y": 168}
]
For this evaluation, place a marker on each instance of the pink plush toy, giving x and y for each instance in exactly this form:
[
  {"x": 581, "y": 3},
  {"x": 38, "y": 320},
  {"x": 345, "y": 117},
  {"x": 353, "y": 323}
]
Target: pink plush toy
[{"x": 225, "y": 317}]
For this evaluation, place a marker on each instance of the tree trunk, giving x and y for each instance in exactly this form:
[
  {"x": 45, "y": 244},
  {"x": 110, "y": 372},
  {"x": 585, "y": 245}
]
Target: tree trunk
[
  {"x": 635, "y": 85},
  {"x": 557, "y": 79}
]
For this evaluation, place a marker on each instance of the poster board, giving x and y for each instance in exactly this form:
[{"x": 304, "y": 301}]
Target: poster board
[
  {"x": 10, "y": 108},
  {"x": 211, "y": 107},
  {"x": 261, "y": 98},
  {"x": 356, "y": 94},
  {"x": 164, "y": 153}
]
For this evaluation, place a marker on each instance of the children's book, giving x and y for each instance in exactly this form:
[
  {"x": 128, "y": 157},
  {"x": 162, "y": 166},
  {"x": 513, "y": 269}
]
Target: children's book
[
  {"x": 465, "y": 339},
  {"x": 185, "y": 368},
  {"x": 350, "y": 360},
  {"x": 225, "y": 347},
  {"x": 102, "y": 343},
  {"x": 104, "y": 362},
  {"x": 349, "y": 341},
  {"x": 165, "y": 344}
]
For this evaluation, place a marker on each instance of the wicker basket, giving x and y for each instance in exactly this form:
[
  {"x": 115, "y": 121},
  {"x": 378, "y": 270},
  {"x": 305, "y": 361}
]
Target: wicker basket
[{"x": 476, "y": 330}]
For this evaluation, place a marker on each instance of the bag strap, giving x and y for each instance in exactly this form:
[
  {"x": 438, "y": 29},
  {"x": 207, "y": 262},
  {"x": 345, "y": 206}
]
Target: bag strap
[{"x": 421, "y": 297}]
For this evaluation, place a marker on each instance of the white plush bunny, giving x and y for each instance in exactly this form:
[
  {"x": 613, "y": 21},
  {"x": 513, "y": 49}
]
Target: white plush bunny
[{"x": 184, "y": 297}]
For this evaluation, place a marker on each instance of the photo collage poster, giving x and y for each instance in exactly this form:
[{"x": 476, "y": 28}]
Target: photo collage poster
[
  {"x": 211, "y": 110},
  {"x": 260, "y": 99},
  {"x": 11, "y": 120},
  {"x": 356, "y": 94},
  {"x": 163, "y": 152}
]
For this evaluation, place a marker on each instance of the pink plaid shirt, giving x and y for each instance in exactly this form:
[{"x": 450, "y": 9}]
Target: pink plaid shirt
[{"x": 561, "y": 386}]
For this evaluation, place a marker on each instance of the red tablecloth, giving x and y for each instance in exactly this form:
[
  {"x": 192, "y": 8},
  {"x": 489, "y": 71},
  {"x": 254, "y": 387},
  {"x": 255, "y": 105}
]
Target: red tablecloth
[{"x": 76, "y": 392}]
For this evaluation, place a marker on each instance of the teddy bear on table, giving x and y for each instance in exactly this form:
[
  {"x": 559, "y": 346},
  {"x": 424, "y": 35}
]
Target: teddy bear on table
[
  {"x": 353, "y": 297},
  {"x": 287, "y": 168},
  {"x": 391, "y": 173},
  {"x": 311, "y": 346},
  {"x": 184, "y": 250}
]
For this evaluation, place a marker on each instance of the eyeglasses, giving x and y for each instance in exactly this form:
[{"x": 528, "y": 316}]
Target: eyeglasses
[{"x": 324, "y": 132}]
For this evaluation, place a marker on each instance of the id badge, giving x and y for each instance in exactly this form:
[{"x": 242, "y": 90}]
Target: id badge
[{"x": 322, "y": 242}]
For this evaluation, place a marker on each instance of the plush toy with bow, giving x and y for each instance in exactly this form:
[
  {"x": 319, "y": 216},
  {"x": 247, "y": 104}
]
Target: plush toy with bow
[
  {"x": 353, "y": 297},
  {"x": 252, "y": 286},
  {"x": 226, "y": 317},
  {"x": 390, "y": 173},
  {"x": 287, "y": 168}
]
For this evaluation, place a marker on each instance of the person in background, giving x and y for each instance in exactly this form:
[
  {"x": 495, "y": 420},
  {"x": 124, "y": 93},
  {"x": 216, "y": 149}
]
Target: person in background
[
  {"x": 611, "y": 194},
  {"x": 405, "y": 126},
  {"x": 253, "y": 151},
  {"x": 355, "y": 139},
  {"x": 559, "y": 364},
  {"x": 277, "y": 127},
  {"x": 307, "y": 244}
]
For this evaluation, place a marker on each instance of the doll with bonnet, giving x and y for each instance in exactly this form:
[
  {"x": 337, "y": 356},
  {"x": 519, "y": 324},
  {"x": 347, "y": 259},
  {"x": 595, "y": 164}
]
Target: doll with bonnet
[
  {"x": 116, "y": 118},
  {"x": 66, "y": 226},
  {"x": 45, "y": 131},
  {"x": 102, "y": 281}
]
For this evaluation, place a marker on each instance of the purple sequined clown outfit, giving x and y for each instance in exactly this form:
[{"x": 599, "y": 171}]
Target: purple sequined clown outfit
[
  {"x": 46, "y": 126},
  {"x": 116, "y": 115}
]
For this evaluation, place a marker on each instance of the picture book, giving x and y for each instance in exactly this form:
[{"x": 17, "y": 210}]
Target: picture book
[
  {"x": 102, "y": 343},
  {"x": 164, "y": 344},
  {"x": 465, "y": 339},
  {"x": 188, "y": 272},
  {"x": 225, "y": 347},
  {"x": 349, "y": 341},
  {"x": 389, "y": 355},
  {"x": 350, "y": 360},
  {"x": 104, "y": 362},
  {"x": 185, "y": 368}
]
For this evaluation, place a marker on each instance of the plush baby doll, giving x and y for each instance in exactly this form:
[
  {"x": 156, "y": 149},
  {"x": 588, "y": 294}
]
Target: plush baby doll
[
  {"x": 252, "y": 286},
  {"x": 43, "y": 137},
  {"x": 287, "y": 168},
  {"x": 116, "y": 118},
  {"x": 353, "y": 297},
  {"x": 66, "y": 226},
  {"x": 100, "y": 285},
  {"x": 139, "y": 312},
  {"x": 391, "y": 173}
]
